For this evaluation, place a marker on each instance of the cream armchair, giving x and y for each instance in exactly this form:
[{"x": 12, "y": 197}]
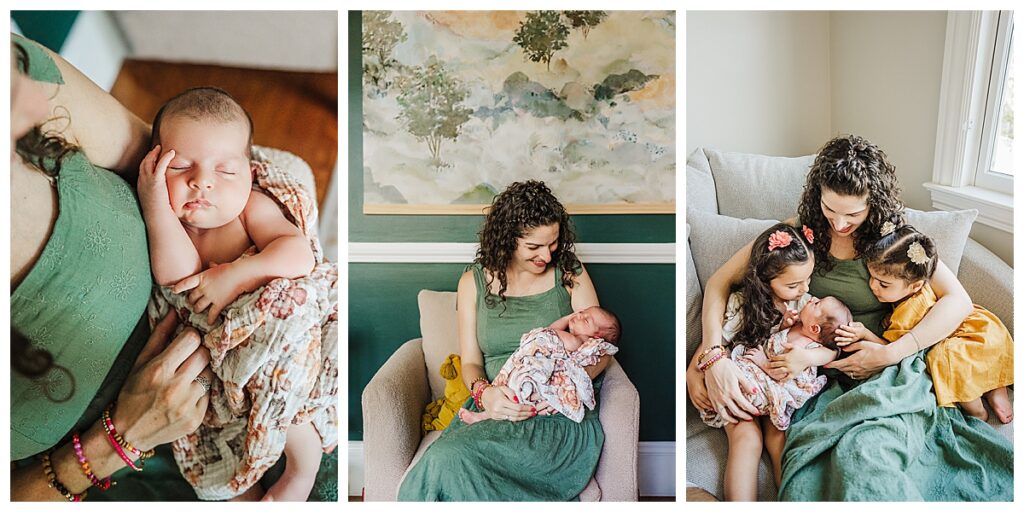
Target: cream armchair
[{"x": 394, "y": 399}]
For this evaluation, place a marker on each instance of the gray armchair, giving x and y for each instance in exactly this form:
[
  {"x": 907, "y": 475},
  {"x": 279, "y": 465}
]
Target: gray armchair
[{"x": 394, "y": 399}]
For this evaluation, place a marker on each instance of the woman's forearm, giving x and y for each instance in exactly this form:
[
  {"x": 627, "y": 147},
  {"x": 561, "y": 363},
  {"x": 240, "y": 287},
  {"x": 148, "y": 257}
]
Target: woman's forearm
[
  {"x": 716, "y": 296},
  {"x": 29, "y": 483},
  {"x": 942, "y": 319},
  {"x": 471, "y": 372}
]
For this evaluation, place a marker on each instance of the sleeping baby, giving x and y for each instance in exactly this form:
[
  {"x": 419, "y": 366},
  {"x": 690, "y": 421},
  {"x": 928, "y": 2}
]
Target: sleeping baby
[
  {"x": 228, "y": 246},
  {"x": 549, "y": 364}
]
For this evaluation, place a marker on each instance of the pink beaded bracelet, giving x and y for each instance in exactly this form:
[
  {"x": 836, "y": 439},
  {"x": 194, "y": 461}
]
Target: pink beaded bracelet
[
  {"x": 711, "y": 361},
  {"x": 104, "y": 484}
]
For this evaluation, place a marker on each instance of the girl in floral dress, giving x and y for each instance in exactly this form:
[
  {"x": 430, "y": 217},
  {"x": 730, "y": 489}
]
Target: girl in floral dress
[{"x": 771, "y": 299}]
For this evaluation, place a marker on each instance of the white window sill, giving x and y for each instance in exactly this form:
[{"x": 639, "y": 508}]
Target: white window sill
[{"x": 995, "y": 209}]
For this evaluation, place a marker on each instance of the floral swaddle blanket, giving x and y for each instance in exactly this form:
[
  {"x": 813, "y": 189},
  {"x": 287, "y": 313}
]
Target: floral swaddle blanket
[
  {"x": 542, "y": 370},
  {"x": 274, "y": 353}
]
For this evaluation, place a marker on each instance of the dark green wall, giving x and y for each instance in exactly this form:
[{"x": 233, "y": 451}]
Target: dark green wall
[
  {"x": 382, "y": 297},
  {"x": 48, "y": 28}
]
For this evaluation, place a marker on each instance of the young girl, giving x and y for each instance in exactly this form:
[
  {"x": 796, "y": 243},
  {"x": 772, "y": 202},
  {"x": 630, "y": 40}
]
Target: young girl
[
  {"x": 975, "y": 361},
  {"x": 772, "y": 298}
]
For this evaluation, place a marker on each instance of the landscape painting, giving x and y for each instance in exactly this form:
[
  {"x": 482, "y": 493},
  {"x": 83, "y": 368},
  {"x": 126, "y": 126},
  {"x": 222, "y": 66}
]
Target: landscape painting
[{"x": 457, "y": 105}]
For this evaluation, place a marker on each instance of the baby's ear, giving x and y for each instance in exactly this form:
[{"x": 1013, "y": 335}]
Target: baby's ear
[{"x": 816, "y": 328}]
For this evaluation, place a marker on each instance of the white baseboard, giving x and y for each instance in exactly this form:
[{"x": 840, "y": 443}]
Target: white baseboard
[{"x": 657, "y": 468}]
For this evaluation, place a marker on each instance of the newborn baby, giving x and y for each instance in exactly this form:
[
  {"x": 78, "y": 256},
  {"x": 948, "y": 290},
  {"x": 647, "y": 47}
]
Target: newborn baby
[
  {"x": 548, "y": 365},
  {"x": 815, "y": 327}
]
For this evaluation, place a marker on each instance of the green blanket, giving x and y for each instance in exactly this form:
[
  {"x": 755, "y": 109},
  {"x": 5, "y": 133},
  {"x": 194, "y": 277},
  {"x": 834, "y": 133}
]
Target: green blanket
[{"x": 887, "y": 440}]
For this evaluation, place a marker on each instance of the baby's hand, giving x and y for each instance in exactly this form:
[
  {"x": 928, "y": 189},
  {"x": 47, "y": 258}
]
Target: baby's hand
[
  {"x": 855, "y": 331},
  {"x": 789, "y": 318},
  {"x": 153, "y": 179},
  {"x": 213, "y": 288}
]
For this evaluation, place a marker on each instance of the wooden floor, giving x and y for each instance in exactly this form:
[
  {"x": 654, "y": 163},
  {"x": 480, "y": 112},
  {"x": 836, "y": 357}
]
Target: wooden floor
[{"x": 297, "y": 112}]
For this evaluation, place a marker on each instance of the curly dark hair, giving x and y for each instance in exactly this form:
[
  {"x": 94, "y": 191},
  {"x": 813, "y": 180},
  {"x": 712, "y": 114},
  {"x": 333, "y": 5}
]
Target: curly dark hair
[
  {"x": 523, "y": 206},
  {"x": 43, "y": 150},
  {"x": 890, "y": 255},
  {"x": 758, "y": 313},
  {"x": 851, "y": 166}
]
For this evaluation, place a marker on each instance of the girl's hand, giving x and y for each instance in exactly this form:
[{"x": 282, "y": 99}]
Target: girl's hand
[
  {"x": 213, "y": 288},
  {"x": 153, "y": 179},
  {"x": 854, "y": 331},
  {"x": 161, "y": 401},
  {"x": 867, "y": 359},
  {"x": 501, "y": 403},
  {"x": 789, "y": 318},
  {"x": 723, "y": 380},
  {"x": 789, "y": 364},
  {"x": 695, "y": 387}
]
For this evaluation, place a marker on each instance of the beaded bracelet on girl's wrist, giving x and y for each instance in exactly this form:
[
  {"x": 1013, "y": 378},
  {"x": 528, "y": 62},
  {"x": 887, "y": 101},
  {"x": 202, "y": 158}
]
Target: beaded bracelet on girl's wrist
[
  {"x": 121, "y": 446},
  {"x": 703, "y": 367},
  {"x": 700, "y": 358},
  {"x": 478, "y": 394}
]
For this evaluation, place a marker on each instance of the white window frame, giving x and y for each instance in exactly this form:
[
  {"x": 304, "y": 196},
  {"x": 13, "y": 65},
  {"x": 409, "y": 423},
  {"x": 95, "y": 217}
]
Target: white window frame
[{"x": 974, "y": 63}]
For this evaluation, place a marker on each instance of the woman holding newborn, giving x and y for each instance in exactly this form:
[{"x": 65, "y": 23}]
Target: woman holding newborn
[
  {"x": 525, "y": 275},
  {"x": 886, "y": 430}
]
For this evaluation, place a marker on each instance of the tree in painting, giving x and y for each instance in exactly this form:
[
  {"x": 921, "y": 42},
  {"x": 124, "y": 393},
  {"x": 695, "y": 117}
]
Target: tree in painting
[
  {"x": 585, "y": 20},
  {"x": 432, "y": 109},
  {"x": 542, "y": 34},
  {"x": 380, "y": 36}
]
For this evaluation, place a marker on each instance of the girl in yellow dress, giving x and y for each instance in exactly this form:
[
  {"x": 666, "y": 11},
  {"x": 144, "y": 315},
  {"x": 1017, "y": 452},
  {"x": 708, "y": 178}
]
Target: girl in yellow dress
[{"x": 975, "y": 361}]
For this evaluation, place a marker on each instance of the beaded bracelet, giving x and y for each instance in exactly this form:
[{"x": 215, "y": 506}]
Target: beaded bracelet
[
  {"x": 478, "y": 395},
  {"x": 710, "y": 362},
  {"x": 120, "y": 445},
  {"x": 700, "y": 358},
  {"x": 478, "y": 379},
  {"x": 51, "y": 479},
  {"x": 104, "y": 484}
]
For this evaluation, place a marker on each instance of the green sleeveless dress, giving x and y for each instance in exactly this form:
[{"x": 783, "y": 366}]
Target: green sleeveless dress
[
  {"x": 546, "y": 458},
  {"x": 84, "y": 302},
  {"x": 848, "y": 282}
]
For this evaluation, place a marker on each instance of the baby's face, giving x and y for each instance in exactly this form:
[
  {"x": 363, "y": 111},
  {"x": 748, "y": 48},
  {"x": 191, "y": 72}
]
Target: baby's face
[
  {"x": 817, "y": 311},
  {"x": 589, "y": 322},
  {"x": 209, "y": 179}
]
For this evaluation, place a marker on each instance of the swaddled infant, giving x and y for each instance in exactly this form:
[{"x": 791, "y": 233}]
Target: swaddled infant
[{"x": 549, "y": 364}]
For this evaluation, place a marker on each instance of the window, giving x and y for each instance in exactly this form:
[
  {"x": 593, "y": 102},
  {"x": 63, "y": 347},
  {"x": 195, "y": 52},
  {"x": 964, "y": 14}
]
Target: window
[
  {"x": 974, "y": 141},
  {"x": 995, "y": 167}
]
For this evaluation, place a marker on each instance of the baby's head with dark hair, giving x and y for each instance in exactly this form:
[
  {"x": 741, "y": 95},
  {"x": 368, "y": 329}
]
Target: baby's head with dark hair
[
  {"x": 834, "y": 314},
  {"x": 203, "y": 104},
  {"x": 596, "y": 322}
]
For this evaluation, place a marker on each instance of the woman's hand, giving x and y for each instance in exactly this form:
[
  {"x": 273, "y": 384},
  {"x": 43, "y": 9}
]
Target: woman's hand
[
  {"x": 161, "y": 401},
  {"x": 153, "y": 180},
  {"x": 868, "y": 358},
  {"x": 723, "y": 380},
  {"x": 501, "y": 403},
  {"x": 789, "y": 364}
]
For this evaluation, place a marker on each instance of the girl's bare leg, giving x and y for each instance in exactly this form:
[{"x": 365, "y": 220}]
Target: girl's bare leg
[
  {"x": 774, "y": 440},
  {"x": 744, "y": 455},
  {"x": 999, "y": 400},
  {"x": 975, "y": 408}
]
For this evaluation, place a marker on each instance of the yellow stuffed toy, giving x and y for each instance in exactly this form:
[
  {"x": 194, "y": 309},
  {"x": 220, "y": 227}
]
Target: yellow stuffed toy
[{"x": 440, "y": 412}]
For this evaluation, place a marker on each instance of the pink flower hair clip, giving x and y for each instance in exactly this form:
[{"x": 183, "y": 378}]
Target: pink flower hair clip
[
  {"x": 808, "y": 234},
  {"x": 779, "y": 239}
]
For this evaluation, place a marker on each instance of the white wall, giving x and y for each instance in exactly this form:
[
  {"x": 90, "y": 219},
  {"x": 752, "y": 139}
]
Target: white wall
[
  {"x": 294, "y": 40},
  {"x": 757, "y": 82},
  {"x": 881, "y": 79}
]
